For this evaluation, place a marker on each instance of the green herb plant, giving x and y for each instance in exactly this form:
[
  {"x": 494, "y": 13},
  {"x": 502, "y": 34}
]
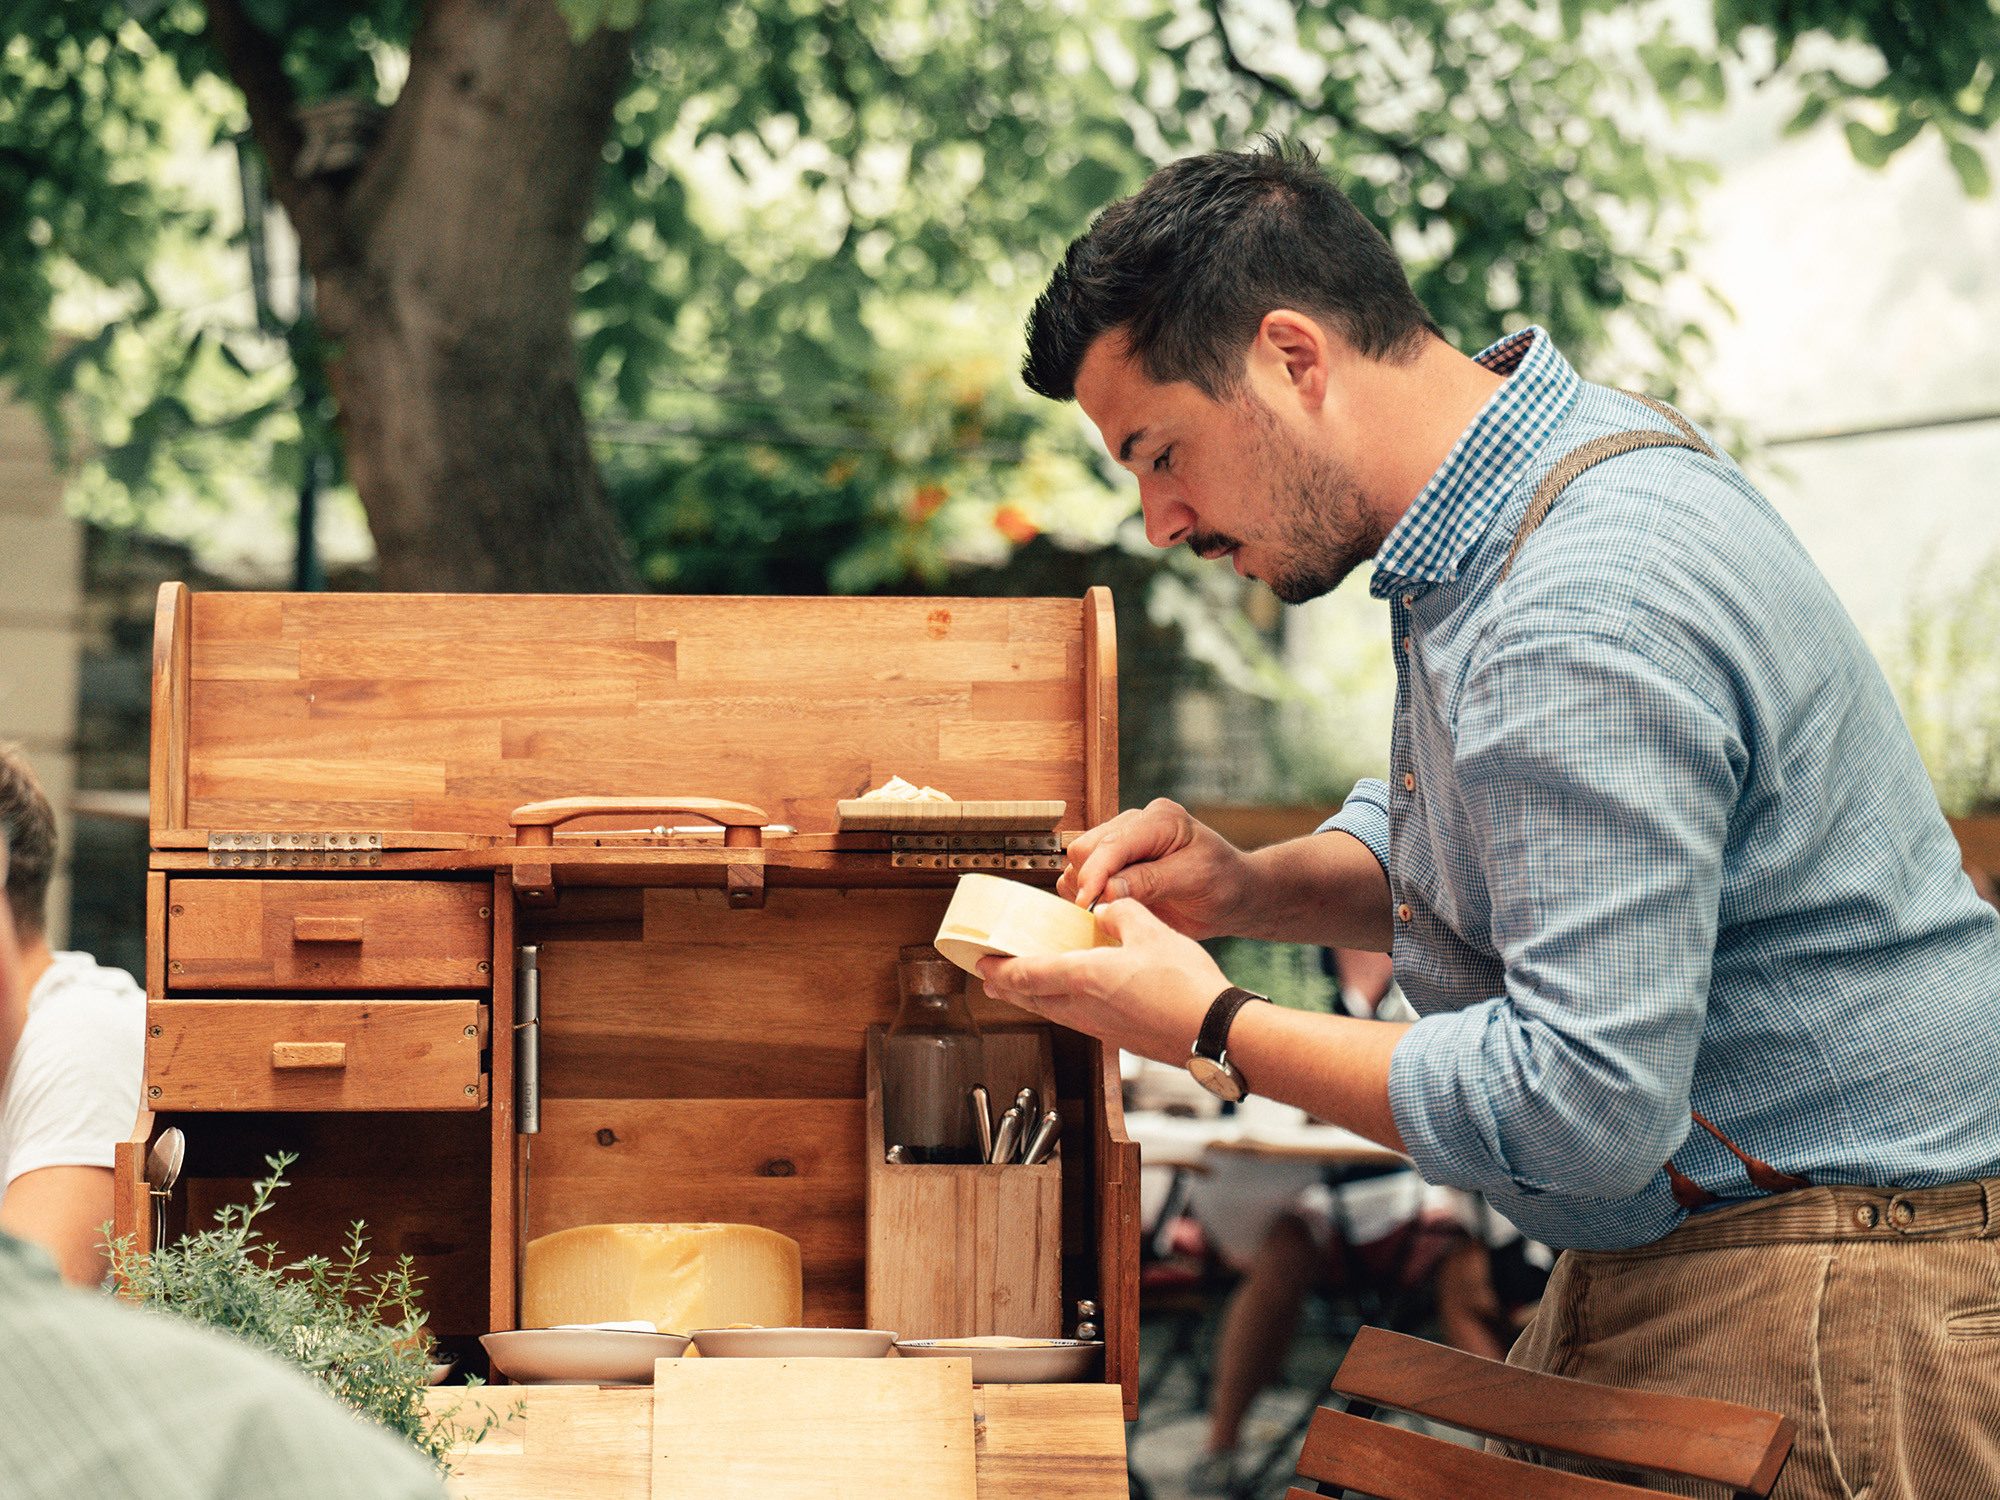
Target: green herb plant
[{"x": 359, "y": 1335}]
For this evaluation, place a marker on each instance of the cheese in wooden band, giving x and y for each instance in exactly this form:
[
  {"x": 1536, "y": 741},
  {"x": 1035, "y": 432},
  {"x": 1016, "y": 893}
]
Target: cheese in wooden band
[{"x": 1690, "y": 1194}]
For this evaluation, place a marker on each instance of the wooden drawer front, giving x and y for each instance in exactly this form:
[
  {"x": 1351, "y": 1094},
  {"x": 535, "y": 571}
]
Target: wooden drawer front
[
  {"x": 328, "y": 934},
  {"x": 315, "y": 1054}
]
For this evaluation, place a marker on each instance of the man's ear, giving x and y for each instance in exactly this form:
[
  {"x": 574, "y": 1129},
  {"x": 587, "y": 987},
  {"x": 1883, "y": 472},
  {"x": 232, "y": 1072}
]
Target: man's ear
[{"x": 1292, "y": 354}]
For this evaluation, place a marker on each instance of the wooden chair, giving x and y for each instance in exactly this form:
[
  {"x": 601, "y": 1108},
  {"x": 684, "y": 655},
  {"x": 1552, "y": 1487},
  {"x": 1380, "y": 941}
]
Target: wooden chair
[{"x": 1694, "y": 1437}]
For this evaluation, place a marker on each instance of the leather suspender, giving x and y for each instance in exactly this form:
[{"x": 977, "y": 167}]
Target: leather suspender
[{"x": 1688, "y": 1193}]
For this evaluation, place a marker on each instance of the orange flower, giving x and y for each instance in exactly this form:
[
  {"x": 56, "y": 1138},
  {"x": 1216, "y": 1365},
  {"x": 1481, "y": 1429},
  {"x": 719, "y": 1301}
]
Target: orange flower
[
  {"x": 1012, "y": 523},
  {"x": 926, "y": 502}
]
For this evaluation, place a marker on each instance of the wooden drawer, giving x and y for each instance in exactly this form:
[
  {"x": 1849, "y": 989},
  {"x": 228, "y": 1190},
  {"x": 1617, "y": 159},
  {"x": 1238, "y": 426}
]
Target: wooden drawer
[
  {"x": 328, "y": 934},
  {"x": 315, "y": 1054}
]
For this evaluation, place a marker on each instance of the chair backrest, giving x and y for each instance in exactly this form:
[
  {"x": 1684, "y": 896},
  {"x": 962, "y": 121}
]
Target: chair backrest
[{"x": 1690, "y": 1436}]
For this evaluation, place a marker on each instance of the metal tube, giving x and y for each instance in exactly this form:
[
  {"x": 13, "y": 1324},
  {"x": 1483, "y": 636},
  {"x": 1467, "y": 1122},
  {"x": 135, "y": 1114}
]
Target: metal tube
[{"x": 527, "y": 1040}]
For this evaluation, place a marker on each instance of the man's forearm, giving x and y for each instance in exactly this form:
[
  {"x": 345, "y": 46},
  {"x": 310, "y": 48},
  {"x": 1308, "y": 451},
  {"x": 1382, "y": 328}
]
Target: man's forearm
[
  {"x": 1326, "y": 889},
  {"x": 1335, "y": 1068}
]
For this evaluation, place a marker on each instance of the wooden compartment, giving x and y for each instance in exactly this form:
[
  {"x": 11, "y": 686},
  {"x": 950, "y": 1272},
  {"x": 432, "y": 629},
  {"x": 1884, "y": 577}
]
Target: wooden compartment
[
  {"x": 327, "y": 766},
  {"x": 304, "y": 934},
  {"x": 316, "y": 1054},
  {"x": 957, "y": 1251}
]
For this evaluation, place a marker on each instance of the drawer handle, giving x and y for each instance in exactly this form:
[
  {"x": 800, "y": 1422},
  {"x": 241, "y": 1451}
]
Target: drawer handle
[
  {"x": 308, "y": 1054},
  {"x": 326, "y": 929}
]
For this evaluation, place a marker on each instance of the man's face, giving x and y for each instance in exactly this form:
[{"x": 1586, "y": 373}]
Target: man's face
[{"x": 1229, "y": 478}]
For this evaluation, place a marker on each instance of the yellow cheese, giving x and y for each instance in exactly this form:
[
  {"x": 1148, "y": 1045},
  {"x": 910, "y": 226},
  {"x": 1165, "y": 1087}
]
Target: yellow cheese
[
  {"x": 680, "y": 1276},
  {"x": 990, "y": 915}
]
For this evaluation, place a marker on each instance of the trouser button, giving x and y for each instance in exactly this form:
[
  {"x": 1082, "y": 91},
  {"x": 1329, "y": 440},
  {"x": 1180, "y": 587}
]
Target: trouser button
[
  {"x": 1864, "y": 1216},
  {"x": 1901, "y": 1213}
]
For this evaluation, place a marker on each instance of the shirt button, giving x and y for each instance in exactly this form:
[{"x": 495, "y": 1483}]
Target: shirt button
[
  {"x": 1409, "y": 600},
  {"x": 1406, "y": 643},
  {"x": 1409, "y": 781},
  {"x": 1403, "y": 912},
  {"x": 1864, "y": 1216}
]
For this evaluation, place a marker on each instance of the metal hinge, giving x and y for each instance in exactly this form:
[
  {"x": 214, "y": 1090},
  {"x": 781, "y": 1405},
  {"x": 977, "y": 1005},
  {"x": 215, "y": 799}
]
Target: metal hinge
[
  {"x": 296, "y": 849},
  {"x": 975, "y": 851}
]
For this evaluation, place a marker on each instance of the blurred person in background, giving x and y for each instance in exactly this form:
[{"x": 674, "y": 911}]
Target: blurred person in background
[
  {"x": 1418, "y": 1247},
  {"x": 72, "y": 1092},
  {"x": 100, "y": 1401}
]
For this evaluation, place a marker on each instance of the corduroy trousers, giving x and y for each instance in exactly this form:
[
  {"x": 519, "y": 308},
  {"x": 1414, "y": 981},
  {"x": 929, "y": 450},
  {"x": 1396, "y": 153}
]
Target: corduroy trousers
[{"x": 1869, "y": 1316}]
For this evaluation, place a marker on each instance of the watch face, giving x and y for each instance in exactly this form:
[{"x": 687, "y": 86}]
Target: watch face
[{"x": 1218, "y": 1078}]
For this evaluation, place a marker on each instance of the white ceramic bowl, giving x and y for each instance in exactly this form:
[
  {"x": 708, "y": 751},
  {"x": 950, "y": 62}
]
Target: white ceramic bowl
[
  {"x": 580, "y": 1356},
  {"x": 990, "y": 915},
  {"x": 1045, "y": 1362},
  {"x": 792, "y": 1343}
]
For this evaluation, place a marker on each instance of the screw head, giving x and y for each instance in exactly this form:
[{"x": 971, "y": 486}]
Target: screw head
[
  {"x": 472, "y": 1031},
  {"x": 174, "y": 910},
  {"x": 174, "y": 967},
  {"x": 153, "y": 1092},
  {"x": 485, "y": 911},
  {"x": 485, "y": 967},
  {"x": 472, "y": 1090},
  {"x": 156, "y": 1031}
]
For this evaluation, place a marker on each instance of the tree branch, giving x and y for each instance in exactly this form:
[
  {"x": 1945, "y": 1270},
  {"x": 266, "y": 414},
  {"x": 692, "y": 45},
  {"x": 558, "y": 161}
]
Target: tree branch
[
  {"x": 1407, "y": 152},
  {"x": 256, "y": 65}
]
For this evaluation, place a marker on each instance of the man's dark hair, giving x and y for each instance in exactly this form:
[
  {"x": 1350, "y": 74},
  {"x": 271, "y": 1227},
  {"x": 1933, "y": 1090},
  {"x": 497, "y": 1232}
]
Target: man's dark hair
[
  {"x": 28, "y": 833},
  {"x": 1188, "y": 266}
]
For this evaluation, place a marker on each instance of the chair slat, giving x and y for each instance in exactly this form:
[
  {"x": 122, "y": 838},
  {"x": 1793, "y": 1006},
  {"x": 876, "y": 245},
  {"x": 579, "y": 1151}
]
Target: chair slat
[
  {"x": 1694, "y": 1436},
  {"x": 1394, "y": 1464}
]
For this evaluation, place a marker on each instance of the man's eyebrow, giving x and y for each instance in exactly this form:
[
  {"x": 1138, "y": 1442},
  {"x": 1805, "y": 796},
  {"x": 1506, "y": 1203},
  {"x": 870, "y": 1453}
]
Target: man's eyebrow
[{"x": 1131, "y": 440}]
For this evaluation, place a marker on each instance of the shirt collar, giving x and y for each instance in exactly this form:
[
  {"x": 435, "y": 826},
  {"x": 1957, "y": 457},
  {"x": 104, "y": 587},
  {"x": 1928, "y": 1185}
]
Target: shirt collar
[{"x": 1428, "y": 545}]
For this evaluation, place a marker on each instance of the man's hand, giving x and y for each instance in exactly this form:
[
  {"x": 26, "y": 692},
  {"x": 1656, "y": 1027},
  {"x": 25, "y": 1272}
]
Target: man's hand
[
  {"x": 1184, "y": 873},
  {"x": 1147, "y": 995}
]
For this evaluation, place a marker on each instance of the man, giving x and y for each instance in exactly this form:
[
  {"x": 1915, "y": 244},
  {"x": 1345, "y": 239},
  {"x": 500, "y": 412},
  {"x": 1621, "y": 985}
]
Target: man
[
  {"x": 73, "y": 1090},
  {"x": 112, "y": 1403},
  {"x": 1655, "y": 845}
]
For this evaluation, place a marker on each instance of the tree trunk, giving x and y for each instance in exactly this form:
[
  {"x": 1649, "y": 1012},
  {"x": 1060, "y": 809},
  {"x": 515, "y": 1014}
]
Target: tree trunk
[{"x": 445, "y": 275}]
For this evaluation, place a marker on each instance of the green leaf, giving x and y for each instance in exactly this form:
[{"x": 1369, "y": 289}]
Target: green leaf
[
  {"x": 1971, "y": 168},
  {"x": 1810, "y": 113}
]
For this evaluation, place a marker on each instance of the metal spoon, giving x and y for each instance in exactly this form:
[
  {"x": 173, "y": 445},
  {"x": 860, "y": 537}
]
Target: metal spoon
[{"x": 163, "y": 1171}]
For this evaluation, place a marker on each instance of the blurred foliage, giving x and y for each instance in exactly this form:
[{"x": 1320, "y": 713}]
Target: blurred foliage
[
  {"x": 820, "y": 223},
  {"x": 1948, "y": 679}
]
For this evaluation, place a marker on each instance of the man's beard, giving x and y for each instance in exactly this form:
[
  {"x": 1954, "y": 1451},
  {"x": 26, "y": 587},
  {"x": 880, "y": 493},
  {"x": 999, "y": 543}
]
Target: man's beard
[{"x": 1322, "y": 530}]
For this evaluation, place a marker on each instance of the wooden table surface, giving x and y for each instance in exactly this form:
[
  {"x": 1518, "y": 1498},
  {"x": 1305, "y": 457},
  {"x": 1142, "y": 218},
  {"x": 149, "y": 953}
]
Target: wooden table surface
[{"x": 572, "y": 1442}]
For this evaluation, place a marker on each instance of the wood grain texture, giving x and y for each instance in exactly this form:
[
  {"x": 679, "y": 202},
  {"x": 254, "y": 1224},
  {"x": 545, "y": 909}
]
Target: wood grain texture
[
  {"x": 1115, "y": 1196},
  {"x": 397, "y": 1054},
  {"x": 440, "y": 714},
  {"x": 167, "y": 770},
  {"x": 1692, "y": 1436},
  {"x": 1100, "y": 707},
  {"x": 553, "y": 1442},
  {"x": 854, "y": 1429},
  {"x": 249, "y": 934},
  {"x": 1049, "y": 1442},
  {"x": 504, "y": 1201},
  {"x": 957, "y": 1251},
  {"x": 1390, "y": 1463},
  {"x": 156, "y": 934},
  {"x": 131, "y": 1201}
]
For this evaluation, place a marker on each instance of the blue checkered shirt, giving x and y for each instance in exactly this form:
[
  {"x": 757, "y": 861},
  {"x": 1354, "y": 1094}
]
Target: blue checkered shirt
[{"x": 1656, "y": 837}]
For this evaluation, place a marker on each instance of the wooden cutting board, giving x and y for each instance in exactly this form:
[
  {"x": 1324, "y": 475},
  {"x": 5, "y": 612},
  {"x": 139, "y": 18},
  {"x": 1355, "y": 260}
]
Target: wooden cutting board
[
  {"x": 553, "y": 1442},
  {"x": 832, "y": 1429},
  {"x": 855, "y": 815}
]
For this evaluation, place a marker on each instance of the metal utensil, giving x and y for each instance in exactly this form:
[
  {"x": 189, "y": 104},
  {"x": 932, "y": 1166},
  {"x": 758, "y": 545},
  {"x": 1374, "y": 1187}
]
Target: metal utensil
[
  {"x": 163, "y": 1171},
  {"x": 982, "y": 1119},
  {"x": 1031, "y": 1110},
  {"x": 1005, "y": 1139},
  {"x": 1044, "y": 1140}
]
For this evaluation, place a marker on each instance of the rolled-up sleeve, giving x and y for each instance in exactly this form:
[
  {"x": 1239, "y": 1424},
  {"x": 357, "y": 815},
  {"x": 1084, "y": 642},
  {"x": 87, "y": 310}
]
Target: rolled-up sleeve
[
  {"x": 1365, "y": 814},
  {"x": 1601, "y": 785}
]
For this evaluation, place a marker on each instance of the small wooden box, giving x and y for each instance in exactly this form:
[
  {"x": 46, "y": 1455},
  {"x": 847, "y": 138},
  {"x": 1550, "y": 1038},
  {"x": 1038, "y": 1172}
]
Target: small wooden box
[
  {"x": 956, "y": 1251},
  {"x": 348, "y": 864}
]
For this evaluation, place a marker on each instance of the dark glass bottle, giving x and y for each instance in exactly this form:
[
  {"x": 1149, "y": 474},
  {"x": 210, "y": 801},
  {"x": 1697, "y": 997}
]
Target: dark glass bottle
[{"x": 931, "y": 1059}]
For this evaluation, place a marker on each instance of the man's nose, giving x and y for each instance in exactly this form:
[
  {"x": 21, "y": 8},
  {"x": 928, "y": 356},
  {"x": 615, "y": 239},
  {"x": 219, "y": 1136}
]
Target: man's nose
[{"x": 1168, "y": 519}]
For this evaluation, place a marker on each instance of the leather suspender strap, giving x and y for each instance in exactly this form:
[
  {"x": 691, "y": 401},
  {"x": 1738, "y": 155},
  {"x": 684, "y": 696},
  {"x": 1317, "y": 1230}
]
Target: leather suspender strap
[
  {"x": 1590, "y": 454},
  {"x": 1690, "y": 1194}
]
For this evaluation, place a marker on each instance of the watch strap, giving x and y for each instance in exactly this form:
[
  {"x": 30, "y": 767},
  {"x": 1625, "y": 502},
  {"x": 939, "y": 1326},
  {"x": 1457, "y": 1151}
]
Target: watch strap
[{"x": 1221, "y": 1016}]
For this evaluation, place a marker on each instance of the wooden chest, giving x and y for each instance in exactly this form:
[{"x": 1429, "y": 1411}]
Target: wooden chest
[{"x": 344, "y": 879}]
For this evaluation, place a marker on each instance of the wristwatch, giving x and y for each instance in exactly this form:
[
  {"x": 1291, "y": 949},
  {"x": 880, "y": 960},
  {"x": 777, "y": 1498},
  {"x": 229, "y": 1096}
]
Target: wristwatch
[{"x": 1209, "y": 1062}]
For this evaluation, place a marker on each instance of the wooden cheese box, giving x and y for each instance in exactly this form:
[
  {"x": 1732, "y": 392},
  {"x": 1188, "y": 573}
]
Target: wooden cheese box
[{"x": 367, "y": 807}]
